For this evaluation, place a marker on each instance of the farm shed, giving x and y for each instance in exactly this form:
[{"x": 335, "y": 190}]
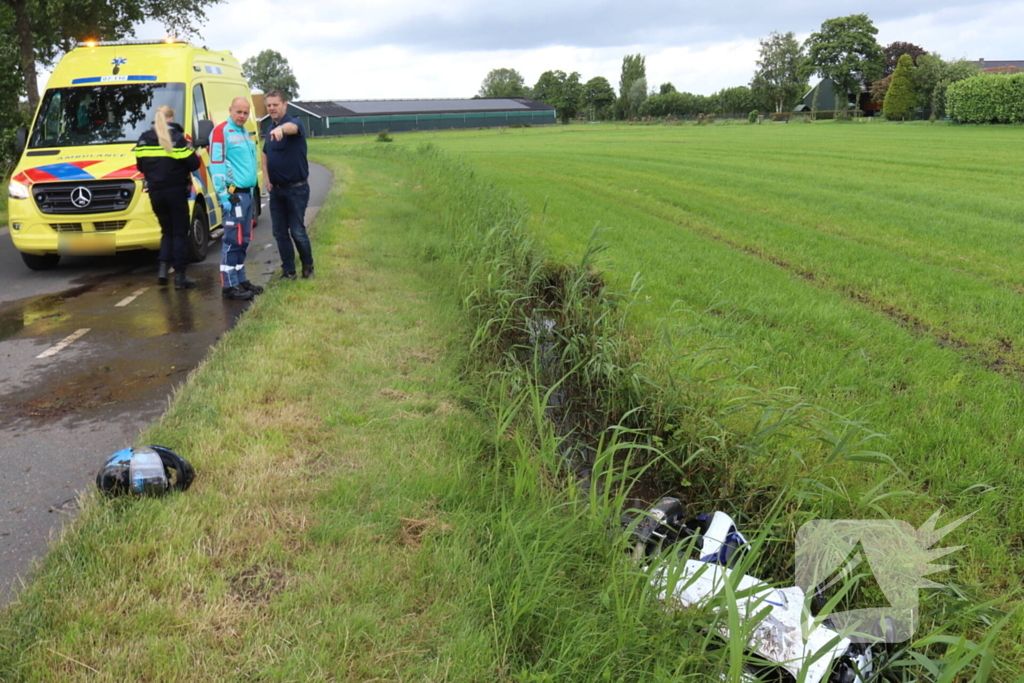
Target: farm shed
[
  {"x": 357, "y": 117},
  {"x": 823, "y": 96}
]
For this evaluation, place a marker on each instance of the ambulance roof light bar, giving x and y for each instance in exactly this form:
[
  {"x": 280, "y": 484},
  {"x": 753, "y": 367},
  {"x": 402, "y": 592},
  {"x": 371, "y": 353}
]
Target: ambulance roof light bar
[{"x": 133, "y": 41}]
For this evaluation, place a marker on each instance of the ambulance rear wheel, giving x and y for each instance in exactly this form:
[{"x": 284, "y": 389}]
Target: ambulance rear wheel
[
  {"x": 198, "y": 235},
  {"x": 40, "y": 261}
]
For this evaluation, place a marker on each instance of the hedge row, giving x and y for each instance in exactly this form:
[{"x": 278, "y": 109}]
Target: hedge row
[
  {"x": 819, "y": 115},
  {"x": 991, "y": 98}
]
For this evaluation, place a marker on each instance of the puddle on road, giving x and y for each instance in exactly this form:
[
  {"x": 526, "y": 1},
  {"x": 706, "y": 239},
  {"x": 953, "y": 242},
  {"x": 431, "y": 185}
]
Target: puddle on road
[
  {"x": 50, "y": 309},
  {"x": 132, "y": 355},
  {"x": 101, "y": 389}
]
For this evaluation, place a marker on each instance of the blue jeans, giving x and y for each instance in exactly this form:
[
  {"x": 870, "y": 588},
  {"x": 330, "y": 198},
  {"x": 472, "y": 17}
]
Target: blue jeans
[
  {"x": 287, "y": 215},
  {"x": 237, "y": 235}
]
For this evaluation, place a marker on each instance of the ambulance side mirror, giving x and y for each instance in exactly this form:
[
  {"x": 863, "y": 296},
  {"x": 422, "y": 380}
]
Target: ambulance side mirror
[
  {"x": 20, "y": 140},
  {"x": 205, "y": 131}
]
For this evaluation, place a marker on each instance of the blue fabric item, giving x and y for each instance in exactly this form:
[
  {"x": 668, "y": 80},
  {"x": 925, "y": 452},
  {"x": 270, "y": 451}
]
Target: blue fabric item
[
  {"x": 237, "y": 235},
  {"x": 286, "y": 159},
  {"x": 287, "y": 213}
]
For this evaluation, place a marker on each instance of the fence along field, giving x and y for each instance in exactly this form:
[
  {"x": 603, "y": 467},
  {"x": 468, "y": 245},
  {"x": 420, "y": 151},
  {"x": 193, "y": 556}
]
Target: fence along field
[{"x": 874, "y": 270}]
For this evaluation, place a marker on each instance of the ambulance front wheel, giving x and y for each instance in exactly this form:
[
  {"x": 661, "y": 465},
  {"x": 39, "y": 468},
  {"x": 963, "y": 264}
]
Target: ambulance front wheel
[
  {"x": 40, "y": 261},
  {"x": 198, "y": 235}
]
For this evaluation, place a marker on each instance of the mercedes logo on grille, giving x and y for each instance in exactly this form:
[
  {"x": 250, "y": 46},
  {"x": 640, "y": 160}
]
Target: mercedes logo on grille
[{"x": 81, "y": 197}]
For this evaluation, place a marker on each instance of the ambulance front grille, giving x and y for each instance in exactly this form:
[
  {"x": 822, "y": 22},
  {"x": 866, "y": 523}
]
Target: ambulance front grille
[
  {"x": 66, "y": 227},
  {"x": 91, "y": 196},
  {"x": 107, "y": 226}
]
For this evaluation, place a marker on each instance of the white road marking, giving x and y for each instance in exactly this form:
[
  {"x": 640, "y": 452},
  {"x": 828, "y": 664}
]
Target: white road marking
[
  {"x": 128, "y": 299},
  {"x": 63, "y": 344}
]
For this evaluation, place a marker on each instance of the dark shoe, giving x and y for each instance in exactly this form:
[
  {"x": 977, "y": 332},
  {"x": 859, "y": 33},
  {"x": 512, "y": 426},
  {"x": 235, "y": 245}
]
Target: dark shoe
[
  {"x": 307, "y": 272},
  {"x": 250, "y": 287},
  {"x": 182, "y": 281},
  {"x": 236, "y": 293},
  {"x": 161, "y": 272},
  {"x": 287, "y": 276}
]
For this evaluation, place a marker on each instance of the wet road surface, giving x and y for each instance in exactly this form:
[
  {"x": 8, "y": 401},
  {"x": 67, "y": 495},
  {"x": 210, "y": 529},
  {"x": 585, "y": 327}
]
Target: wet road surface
[{"x": 89, "y": 354}]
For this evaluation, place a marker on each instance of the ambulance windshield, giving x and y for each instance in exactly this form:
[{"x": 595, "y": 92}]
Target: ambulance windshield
[{"x": 102, "y": 114}]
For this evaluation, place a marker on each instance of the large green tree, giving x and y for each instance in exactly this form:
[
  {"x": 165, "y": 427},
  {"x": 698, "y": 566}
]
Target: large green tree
[
  {"x": 676, "y": 104},
  {"x": 570, "y": 99},
  {"x": 43, "y": 29},
  {"x": 926, "y": 76},
  {"x": 598, "y": 97},
  {"x": 845, "y": 50},
  {"x": 901, "y": 97},
  {"x": 269, "y": 70},
  {"x": 11, "y": 87},
  {"x": 547, "y": 86},
  {"x": 562, "y": 91},
  {"x": 952, "y": 72},
  {"x": 636, "y": 96},
  {"x": 736, "y": 100},
  {"x": 634, "y": 67},
  {"x": 931, "y": 76},
  {"x": 502, "y": 83},
  {"x": 781, "y": 74}
]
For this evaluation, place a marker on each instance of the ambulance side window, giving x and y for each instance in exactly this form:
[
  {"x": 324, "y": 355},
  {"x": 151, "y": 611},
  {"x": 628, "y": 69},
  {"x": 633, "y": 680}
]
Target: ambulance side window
[
  {"x": 198, "y": 109},
  {"x": 54, "y": 118}
]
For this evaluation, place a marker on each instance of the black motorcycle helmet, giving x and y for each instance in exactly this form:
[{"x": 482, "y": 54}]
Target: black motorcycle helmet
[
  {"x": 152, "y": 470},
  {"x": 661, "y": 526}
]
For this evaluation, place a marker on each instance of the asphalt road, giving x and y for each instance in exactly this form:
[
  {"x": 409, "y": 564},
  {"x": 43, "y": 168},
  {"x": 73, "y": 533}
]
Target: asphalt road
[{"x": 69, "y": 398}]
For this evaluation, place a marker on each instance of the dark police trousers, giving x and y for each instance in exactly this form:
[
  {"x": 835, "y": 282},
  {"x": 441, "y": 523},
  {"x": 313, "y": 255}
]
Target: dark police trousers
[{"x": 171, "y": 208}]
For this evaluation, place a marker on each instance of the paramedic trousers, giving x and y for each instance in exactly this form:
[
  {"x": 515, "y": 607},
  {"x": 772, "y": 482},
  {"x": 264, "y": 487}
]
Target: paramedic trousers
[
  {"x": 238, "y": 225},
  {"x": 171, "y": 208},
  {"x": 288, "y": 214}
]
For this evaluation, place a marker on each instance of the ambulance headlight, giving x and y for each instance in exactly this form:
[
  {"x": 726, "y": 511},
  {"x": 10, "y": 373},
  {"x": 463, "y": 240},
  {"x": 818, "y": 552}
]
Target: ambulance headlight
[{"x": 17, "y": 190}]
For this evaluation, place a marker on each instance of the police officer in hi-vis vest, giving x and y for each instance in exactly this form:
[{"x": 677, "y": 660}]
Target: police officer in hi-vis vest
[{"x": 166, "y": 160}]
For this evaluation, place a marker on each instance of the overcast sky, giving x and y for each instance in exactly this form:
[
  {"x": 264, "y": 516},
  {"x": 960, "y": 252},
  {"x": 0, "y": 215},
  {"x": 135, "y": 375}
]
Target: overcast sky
[{"x": 402, "y": 49}]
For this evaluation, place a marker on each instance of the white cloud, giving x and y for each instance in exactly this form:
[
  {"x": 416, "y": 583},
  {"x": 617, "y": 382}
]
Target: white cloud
[
  {"x": 991, "y": 31},
  {"x": 396, "y": 49}
]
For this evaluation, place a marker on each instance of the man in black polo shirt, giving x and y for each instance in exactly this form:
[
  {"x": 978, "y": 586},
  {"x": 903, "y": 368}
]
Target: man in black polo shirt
[{"x": 286, "y": 173}]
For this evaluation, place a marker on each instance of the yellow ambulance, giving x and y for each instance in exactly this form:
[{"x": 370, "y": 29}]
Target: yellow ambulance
[{"x": 76, "y": 189}]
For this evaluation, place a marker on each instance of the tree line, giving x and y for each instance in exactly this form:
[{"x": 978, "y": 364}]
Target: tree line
[{"x": 843, "y": 49}]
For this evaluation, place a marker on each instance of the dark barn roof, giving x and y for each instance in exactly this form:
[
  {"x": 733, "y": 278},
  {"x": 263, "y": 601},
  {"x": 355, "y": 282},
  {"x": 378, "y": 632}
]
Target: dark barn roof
[{"x": 342, "y": 108}]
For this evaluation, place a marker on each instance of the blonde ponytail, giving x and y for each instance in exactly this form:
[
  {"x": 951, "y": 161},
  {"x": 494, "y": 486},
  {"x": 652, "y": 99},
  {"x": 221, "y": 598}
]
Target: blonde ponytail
[{"x": 163, "y": 134}]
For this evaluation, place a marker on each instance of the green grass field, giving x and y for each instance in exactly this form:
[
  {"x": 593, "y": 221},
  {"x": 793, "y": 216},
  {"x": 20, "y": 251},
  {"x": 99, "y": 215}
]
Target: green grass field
[{"x": 875, "y": 270}]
